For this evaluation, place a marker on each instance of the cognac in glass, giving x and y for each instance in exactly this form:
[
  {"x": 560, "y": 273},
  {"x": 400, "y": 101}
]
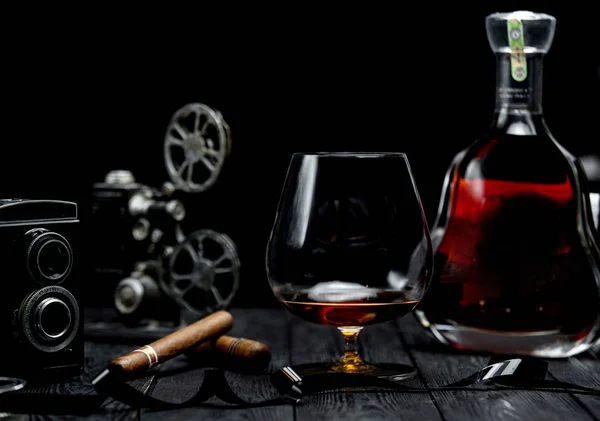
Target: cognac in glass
[
  {"x": 350, "y": 247},
  {"x": 516, "y": 267}
]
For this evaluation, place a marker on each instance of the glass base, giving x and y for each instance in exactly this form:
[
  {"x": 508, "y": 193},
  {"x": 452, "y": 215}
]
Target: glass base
[
  {"x": 390, "y": 372},
  {"x": 541, "y": 344},
  {"x": 11, "y": 384},
  {"x": 297, "y": 381}
]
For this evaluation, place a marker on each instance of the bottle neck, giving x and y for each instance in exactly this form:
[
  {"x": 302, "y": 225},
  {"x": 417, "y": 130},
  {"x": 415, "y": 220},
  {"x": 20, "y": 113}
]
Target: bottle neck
[{"x": 519, "y": 103}]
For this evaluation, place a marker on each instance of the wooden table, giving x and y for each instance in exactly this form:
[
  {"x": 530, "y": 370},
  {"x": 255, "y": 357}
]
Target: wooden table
[{"x": 294, "y": 341}]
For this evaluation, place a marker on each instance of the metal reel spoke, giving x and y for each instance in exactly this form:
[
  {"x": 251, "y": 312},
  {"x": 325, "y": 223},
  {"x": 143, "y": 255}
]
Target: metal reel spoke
[
  {"x": 190, "y": 173},
  {"x": 204, "y": 126},
  {"x": 207, "y": 163},
  {"x": 180, "y": 130},
  {"x": 211, "y": 265},
  {"x": 180, "y": 277},
  {"x": 194, "y": 254},
  {"x": 183, "y": 167},
  {"x": 212, "y": 153},
  {"x": 182, "y": 286},
  {"x": 173, "y": 141},
  {"x": 217, "y": 295},
  {"x": 196, "y": 144}
]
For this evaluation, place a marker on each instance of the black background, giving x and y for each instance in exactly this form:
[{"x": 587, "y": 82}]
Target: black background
[{"x": 94, "y": 92}]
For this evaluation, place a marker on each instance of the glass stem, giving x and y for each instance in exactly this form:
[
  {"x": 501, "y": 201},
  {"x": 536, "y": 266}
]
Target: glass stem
[{"x": 350, "y": 359}]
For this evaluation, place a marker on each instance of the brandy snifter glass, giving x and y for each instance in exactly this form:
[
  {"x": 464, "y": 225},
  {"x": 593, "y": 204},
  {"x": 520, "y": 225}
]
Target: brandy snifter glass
[{"x": 350, "y": 247}]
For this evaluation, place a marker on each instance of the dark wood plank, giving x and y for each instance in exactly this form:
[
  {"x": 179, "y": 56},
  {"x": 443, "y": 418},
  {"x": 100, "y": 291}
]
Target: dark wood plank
[
  {"x": 366, "y": 406},
  {"x": 209, "y": 414},
  {"x": 382, "y": 344},
  {"x": 509, "y": 405},
  {"x": 583, "y": 370},
  {"x": 440, "y": 365},
  {"x": 70, "y": 397},
  {"x": 377, "y": 343},
  {"x": 112, "y": 416},
  {"x": 74, "y": 399},
  {"x": 590, "y": 403},
  {"x": 180, "y": 381}
]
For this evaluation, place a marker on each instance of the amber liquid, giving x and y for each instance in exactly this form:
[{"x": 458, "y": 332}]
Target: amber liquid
[
  {"x": 510, "y": 260},
  {"x": 382, "y": 307}
]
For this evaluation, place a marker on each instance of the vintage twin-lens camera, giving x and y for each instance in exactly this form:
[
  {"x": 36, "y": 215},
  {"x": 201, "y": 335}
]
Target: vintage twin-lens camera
[
  {"x": 40, "y": 316},
  {"x": 145, "y": 267}
]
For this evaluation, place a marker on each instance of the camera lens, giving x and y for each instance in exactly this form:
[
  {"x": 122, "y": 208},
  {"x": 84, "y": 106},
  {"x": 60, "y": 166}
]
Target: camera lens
[
  {"x": 50, "y": 257},
  {"x": 49, "y": 318},
  {"x": 53, "y": 259},
  {"x": 137, "y": 297},
  {"x": 52, "y": 318},
  {"x": 129, "y": 295}
]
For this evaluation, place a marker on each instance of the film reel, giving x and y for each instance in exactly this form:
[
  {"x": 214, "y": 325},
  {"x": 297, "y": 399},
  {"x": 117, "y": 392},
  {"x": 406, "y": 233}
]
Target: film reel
[
  {"x": 196, "y": 144},
  {"x": 202, "y": 272}
]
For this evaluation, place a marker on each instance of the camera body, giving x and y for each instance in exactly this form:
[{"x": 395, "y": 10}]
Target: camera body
[
  {"x": 41, "y": 319},
  {"x": 129, "y": 223}
]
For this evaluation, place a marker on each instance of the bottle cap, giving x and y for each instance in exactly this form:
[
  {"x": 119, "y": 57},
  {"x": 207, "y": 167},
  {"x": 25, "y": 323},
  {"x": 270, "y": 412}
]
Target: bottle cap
[{"x": 534, "y": 30}]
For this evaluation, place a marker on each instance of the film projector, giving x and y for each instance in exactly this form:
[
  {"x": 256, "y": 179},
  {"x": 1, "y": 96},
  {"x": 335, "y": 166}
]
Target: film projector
[{"x": 149, "y": 277}]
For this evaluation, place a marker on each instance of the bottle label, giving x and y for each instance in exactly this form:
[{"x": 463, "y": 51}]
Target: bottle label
[
  {"x": 518, "y": 62},
  {"x": 514, "y": 95}
]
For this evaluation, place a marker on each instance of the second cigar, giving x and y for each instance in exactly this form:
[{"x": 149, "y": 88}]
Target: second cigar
[{"x": 231, "y": 353}]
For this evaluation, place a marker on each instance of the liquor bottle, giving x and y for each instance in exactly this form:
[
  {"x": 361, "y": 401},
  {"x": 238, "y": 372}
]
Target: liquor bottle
[{"x": 516, "y": 267}]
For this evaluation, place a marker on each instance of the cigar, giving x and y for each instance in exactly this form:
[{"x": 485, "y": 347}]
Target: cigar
[
  {"x": 238, "y": 354},
  {"x": 196, "y": 334}
]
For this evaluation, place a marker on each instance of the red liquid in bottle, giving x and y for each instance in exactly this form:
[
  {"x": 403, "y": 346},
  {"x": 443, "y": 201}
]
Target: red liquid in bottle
[{"x": 513, "y": 271}]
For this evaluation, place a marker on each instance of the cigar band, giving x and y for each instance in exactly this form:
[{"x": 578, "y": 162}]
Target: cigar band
[
  {"x": 150, "y": 353},
  {"x": 234, "y": 345}
]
